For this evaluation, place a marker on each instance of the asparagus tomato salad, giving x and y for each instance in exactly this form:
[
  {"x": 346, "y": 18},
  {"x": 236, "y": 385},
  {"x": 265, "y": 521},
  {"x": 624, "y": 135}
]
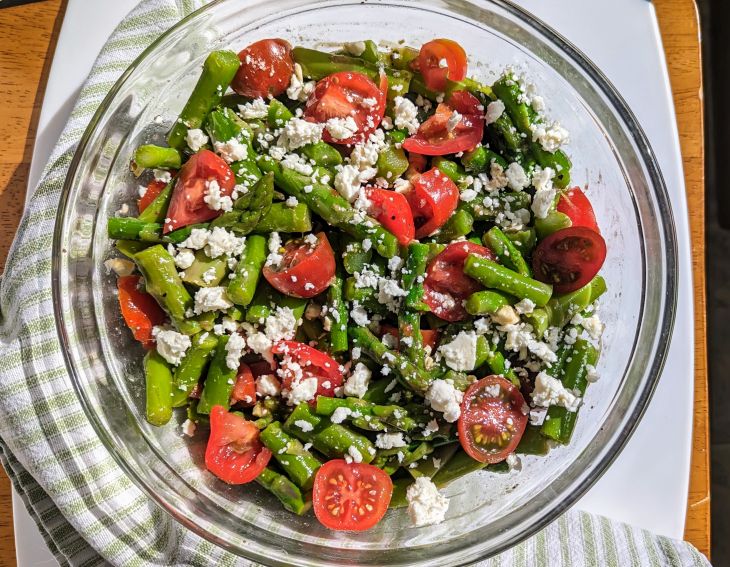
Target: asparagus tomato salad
[{"x": 362, "y": 274}]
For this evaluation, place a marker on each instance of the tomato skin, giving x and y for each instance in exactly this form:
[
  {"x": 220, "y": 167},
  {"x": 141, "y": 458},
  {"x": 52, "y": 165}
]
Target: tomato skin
[
  {"x": 154, "y": 188},
  {"x": 244, "y": 390},
  {"x": 435, "y": 138},
  {"x": 187, "y": 204},
  {"x": 433, "y": 199},
  {"x": 391, "y": 209},
  {"x": 481, "y": 411},
  {"x": 569, "y": 258},
  {"x": 266, "y": 69},
  {"x": 429, "y": 337},
  {"x": 446, "y": 286},
  {"x": 429, "y": 63},
  {"x": 305, "y": 271},
  {"x": 140, "y": 310},
  {"x": 578, "y": 208},
  {"x": 341, "y": 489},
  {"x": 314, "y": 364},
  {"x": 344, "y": 94},
  {"x": 234, "y": 453}
]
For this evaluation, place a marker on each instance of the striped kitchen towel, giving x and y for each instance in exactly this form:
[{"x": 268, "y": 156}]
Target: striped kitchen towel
[{"x": 89, "y": 512}]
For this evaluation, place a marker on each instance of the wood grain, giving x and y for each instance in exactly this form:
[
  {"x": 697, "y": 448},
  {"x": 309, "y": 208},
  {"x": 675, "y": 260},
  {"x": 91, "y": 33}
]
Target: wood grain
[
  {"x": 27, "y": 39},
  {"x": 679, "y": 24}
]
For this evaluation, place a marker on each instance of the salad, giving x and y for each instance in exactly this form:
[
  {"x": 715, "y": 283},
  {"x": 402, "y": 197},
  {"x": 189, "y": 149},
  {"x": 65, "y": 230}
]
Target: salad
[{"x": 362, "y": 274}]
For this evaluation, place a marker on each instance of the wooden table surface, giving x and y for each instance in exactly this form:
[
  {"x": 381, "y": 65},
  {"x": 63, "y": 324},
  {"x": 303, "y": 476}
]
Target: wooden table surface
[{"x": 27, "y": 39}]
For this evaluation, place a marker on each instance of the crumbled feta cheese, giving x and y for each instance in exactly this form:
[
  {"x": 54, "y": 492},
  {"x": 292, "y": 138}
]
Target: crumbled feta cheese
[
  {"x": 291, "y": 202},
  {"x": 517, "y": 179},
  {"x": 349, "y": 178},
  {"x": 162, "y": 175},
  {"x": 365, "y": 155},
  {"x": 550, "y": 137},
  {"x": 431, "y": 428},
  {"x": 342, "y": 128},
  {"x": 297, "y": 163},
  {"x": 299, "y": 89},
  {"x": 234, "y": 350},
  {"x": 468, "y": 195},
  {"x": 359, "y": 315},
  {"x": 593, "y": 326},
  {"x": 494, "y": 111},
  {"x": 298, "y": 132},
  {"x": 591, "y": 373},
  {"x": 401, "y": 185},
  {"x": 227, "y": 325},
  {"x": 184, "y": 258},
  {"x": 353, "y": 455},
  {"x": 525, "y": 306},
  {"x": 519, "y": 337},
  {"x": 211, "y": 299},
  {"x": 443, "y": 397},
  {"x": 196, "y": 139},
  {"x": 357, "y": 384},
  {"x": 390, "y": 440},
  {"x": 257, "y": 108},
  {"x": 550, "y": 391},
  {"x": 461, "y": 353},
  {"x": 119, "y": 266},
  {"x": 505, "y": 315},
  {"x": 302, "y": 391},
  {"x": 232, "y": 150},
  {"x": 453, "y": 121},
  {"x": 221, "y": 242},
  {"x": 405, "y": 114},
  {"x": 171, "y": 345},
  {"x": 443, "y": 64},
  {"x": 426, "y": 505},
  {"x": 542, "y": 180},
  {"x": 275, "y": 258},
  {"x": 215, "y": 199},
  {"x": 267, "y": 385},
  {"x": 188, "y": 428},
  {"x": 340, "y": 414},
  {"x": 304, "y": 425}
]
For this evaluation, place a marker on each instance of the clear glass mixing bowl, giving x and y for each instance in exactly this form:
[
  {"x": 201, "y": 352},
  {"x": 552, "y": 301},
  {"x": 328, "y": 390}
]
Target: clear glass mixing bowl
[{"x": 488, "y": 512}]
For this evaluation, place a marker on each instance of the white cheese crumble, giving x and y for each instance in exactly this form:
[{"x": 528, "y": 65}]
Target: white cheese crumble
[
  {"x": 426, "y": 505},
  {"x": 267, "y": 385},
  {"x": 505, "y": 315},
  {"x": 162, "y": 175},
  {"x": 184, "y": 258},
  {"x": 211, "y": 299},
  {"x": 234, "y": 351},
  {"x": 257, "y": 108},
  {"x": 550, "y": 391},
  {"x": 461, "y": 353},
  {"x": 171, "y": 345},
  {"x": 299, "y": 89},
  {"x": 215, "y": 199},
  {"x": 340, "y": 414},
  {"x": 304, "y": 425},
  {"x": 341, "y": 128},
  {"x": 517, "y": 179},
  {"x": 196, "y": 139},
  {"x": 405, "y": 114},
  {"x": 232, "y": 150},
  {"x": 353, "y": 455},
  {"x": 298, "y": 132},
  {"x": 390, "y": 440},
  {"x": 302, "y": 391},
  {"x": 494, "y": 111},
  {"x": 542, "y": 180},
  {"x": 216, "y": 242},
  {"x": 357, "y": 384},
  {"x": 274, "y": 259},
  {"x": 550, "y": 137},
  {"x": 453, "y": 121},
  {"x": 349, "y": 178},
  {"x": 359, "y": 315},
  {"x": 525, "y": 306},
  {"x": 444, "y": 398}
]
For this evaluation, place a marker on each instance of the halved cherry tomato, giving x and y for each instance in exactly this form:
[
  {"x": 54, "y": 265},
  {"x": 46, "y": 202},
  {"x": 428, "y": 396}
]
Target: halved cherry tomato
[
  {"x": 305, "y": 270},
  {"x": 433, "y": 198},
  {"x": 154, "y": 188},
  {"x": 187, "y": 205},
  {"x": 244, "y": 390},
  {"x": 344, "y": 94},
  {"x": 350, "y": 496},
  {"x": 493, "y": 419},
  {"x": 266, "y": 69},
  {"x": 313, "y": 363},
  {"x": 439, "y": 60},
  {"x": 417, "y": 163},
  {"x": 446, "y": 286},
  {"x": 234, "y": 453},
  {"x": 569, "y": 258},
  {"x": 576, "y": 205},
  {"x": 439, "y": 135},
  {"x": 392, "y": 211},
  {"x": 140, "y": 310},
  {"x": 429, "y": 337}
]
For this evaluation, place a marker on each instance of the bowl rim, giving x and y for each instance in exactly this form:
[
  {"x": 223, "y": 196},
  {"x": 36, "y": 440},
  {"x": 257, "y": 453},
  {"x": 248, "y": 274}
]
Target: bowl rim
[{"x": 666, "y": 229}]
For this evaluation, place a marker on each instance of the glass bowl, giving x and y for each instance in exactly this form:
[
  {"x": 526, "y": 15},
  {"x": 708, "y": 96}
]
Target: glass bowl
[{"x": 488, "y": 512}]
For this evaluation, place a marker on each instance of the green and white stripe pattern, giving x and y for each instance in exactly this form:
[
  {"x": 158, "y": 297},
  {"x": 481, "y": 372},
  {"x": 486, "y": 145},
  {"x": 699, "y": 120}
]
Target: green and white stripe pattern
[{"x": 89, "y": 512}]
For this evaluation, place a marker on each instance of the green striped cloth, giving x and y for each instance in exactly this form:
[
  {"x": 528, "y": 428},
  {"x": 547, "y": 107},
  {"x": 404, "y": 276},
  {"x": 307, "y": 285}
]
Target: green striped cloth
[{"x": 89, "y": 512}]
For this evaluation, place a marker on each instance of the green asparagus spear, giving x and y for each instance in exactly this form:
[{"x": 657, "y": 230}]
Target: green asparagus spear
[
  {"x": 150, "y": 156},
  {"x": 495, "y": 276},
  {"x": 506, "y": 252},
  {"x": 487, "y": 302},
  {"x": 413, "y": 276},
  {"x": 158, "y": 388},
  {"x": 242, "y": 287},
  {"x": 205, "y": 271},
  {"x": 337, "y": 315},
  {"x": 298, "y": 463},
  {"x": 284, "y": 218},
  {"x": 188, "y": 373},
  {"x": 220, "y": 380},
  {"x": 285, "y": 490}
]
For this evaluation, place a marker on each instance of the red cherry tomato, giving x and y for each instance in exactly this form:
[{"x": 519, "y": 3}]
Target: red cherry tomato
[
  {"x": 154, "y": 188},
  {"x": 439, "y": 60},
  {"x": 417, "y": 163},
  {"x": 306, "y": 270},
  {"x": 344, "y": 94},
  {"x": 244, "y": 390},
  {"x": 433, "y": 198},
  {"x": 140, "y": 310},
  {"x": 439, "y": 136},
  {"x": 234, "y": 453},
  {"x": 569, "y": 258},
  {"x": 350, "y": 496},
  {"x": 446, "y": 286},
  {"x": 429, "y": 337},
  {"x": 266, "y": 69},
  {"x": 313, "y": 363},
  {"x": 576, "y": 205},
  {"x": 392, "y": 211},
  {"x": 187, "y": 205},
  {"x": 493, "y": 419}
]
